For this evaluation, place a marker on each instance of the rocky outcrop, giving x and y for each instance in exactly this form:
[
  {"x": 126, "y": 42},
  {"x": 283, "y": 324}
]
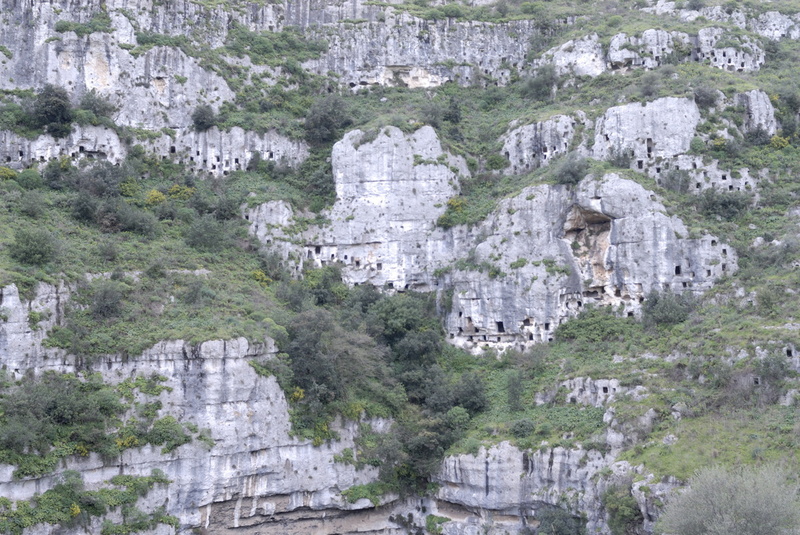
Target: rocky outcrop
[
  {"x": 693, "y": 174},
  {"x": 214, "y": 152},
  {"x": 580, "y": 57},
  {"x": 535, "y": 261},
  {"x": 151, "y": 90},
  {"x": 556, "y": 250},
  {"x": 535, "y": 145},
  {"x": 407, "y": 51},
  {"x": 249, "y": 470},
  {"x": 83, "y": 142},
  {"x": 775, "y": 25},
  {"x": 219, "y": 152},
  {"x": 21, "y": 336},
  {"x": 502, "y": 487},
  {"x": 759, "y": 113},
  {"x": 648, "y": 50},
  {"x": 660, "y": 129},
  {"x": 390, "y": 192},
  {"x": 653, "y": 48}
]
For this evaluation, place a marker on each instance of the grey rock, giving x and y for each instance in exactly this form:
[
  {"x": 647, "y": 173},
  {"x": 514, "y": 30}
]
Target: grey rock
[
  {"x": 535, "y": 145},
  {"x": 662, "y": 129},
  {"x": 214, "y": 152},
  {"x": 407, "y": 51},
  {"x": 759, "y": 112}
]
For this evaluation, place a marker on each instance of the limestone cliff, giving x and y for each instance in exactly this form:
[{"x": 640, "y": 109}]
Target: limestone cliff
[
  {"x": 536, "y": 261},
  {"x": 542, "y": 254}
]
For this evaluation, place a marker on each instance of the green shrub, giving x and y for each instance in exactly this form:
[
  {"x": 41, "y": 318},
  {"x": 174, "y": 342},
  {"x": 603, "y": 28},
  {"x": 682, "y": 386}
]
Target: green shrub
[
  {"x": 496, "y": 162},
  {"x": 624, "y": 516},
  {"x": 572, "y": 169},
  {"x": 204, "y": 118},
  {"x": 7, "y": 174},
  {"x": 556, "y": 521},
  {"x": 727, "y": 205},
  {"x": 100, "y": 22},
  {"x": 207, "y": 233},
  {"x": 746, "y": 500},
  {"x": 96, "y": 104},
  {"x": 57, "y": 407},
  {"x": 523, "y": 428},
  {"x": 540, "y": 86},
  {"x": 515, "y": 391},
  {"x": 107, "y": 299},
  {"x": 29, "y": 179},
  {"x": 33, "y": 246},
  {"x": 705, "y": 97},
  {"x": 325, "y": 119},
  {"x": 666, "y": 308},
  {"x": 32, "y": 204}
]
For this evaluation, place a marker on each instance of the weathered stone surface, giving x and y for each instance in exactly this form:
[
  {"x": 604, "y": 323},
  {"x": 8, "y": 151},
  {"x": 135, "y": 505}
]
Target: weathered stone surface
[
  {"x": 648, "y": 50},
  {"x": 404, "y": 50},
  {"x": 390, "y": 191},
  {"x": 774, "y": 25},
  {"x": 759, "y": 112},
  {"x": 20, "y": 339},
  {"x": 503, "y": 486},
  {"x": 254, "y": 463},
  {"x": 700, "y": 174},
  {"x": 214, "y": 152},
  {"x": 663, "y": 128},
  {"x": 535, "y": 145},
  {"x": 746, "y": 56},
  {"x": 146, "y": 89},
  {"x": 581, "y": 57},
  {"x": 84, "y": 142},
  {"x": 537, "y": 260},
  {"x": 624, "y": 247}
]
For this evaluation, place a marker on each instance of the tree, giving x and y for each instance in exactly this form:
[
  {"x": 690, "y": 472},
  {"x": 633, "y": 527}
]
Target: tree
[
  {"x": 52, "y": 110},
  {"x": 97, "y": 104},
  {"x": 556, "y": 521},
  {"x": 204, "y": 118},
  {"x": 738, "y": 501},
  {"x": 325, "y": 118}
]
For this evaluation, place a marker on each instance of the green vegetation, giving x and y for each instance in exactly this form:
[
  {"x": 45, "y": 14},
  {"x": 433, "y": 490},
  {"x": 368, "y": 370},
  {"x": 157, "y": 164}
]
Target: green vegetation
[
  {"x": 356, "y": 351},
  {"x": 68, "y": 504},
  {"x": 173, "y": 261},
  {"x": 758, "y": 500},
  {"x": 100, "y": 22},
  {"x": 57, "y": 415}
]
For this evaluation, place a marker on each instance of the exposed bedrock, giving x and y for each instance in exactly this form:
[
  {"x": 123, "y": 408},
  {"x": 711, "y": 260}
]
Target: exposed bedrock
[{"x": 535, "y": 261}]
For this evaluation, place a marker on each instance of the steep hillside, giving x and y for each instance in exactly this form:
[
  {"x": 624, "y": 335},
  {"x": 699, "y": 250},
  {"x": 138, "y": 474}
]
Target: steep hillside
[{"x": 396, "y": 268}]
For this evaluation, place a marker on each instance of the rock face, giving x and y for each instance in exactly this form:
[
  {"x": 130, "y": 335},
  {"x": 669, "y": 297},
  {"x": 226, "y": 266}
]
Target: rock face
[
  {"x": 556, "y": 250},
  {"x": 660, "y": 129},
  {"x": 214, "y": 152},
  {"x": 535, "y": 261},
  {"x": 535, "y": 145},
  {"x": 759, "y": 112},
  {"x": 581, "y": 57},
  {"x": 255, "y": 471},
  {"x": 502, "y": 487},
  {"x": 390, "y": 192},
  {"x": 407, "y": 51},
  {"x": 20, "y": 338}
]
